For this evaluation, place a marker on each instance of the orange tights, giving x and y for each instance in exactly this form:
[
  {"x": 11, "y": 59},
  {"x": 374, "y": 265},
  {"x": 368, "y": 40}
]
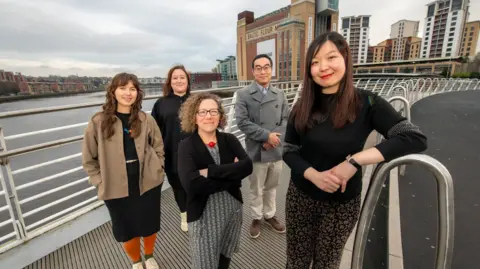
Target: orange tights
[{"x": 132, "y": 247}]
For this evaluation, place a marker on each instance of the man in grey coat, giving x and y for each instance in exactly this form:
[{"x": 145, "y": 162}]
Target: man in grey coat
[{"x": 261, "y": 112}]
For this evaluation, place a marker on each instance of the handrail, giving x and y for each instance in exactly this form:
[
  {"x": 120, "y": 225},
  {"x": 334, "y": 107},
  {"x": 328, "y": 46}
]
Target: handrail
[
  {"x": 15, "y": 152},
  {"x": 445, "y": 208},
  {"x": 22, "y": 231},
  {"x": 98, "y": 103},
  {"x": 26, "y": 231},
  {"x": 90, "y": 104},
  {"x": 405, "y": 91},
  {"x": 406, "y": 108}
]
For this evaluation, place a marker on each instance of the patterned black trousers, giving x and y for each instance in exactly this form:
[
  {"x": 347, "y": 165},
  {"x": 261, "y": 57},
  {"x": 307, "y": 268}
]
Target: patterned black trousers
[{"x": 317, "y": 231}]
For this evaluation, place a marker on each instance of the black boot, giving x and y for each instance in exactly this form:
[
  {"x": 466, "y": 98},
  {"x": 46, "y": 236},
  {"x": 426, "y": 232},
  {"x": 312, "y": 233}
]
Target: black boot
[{"x": 224, "y": 262}]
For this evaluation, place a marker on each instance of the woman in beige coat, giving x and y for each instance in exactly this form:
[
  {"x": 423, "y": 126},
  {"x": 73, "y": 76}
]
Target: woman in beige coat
[{"x": 123, "y": 156}]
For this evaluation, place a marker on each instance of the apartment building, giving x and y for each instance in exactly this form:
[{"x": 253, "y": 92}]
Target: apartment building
[
  {"x": 355, "y": 29},
  {"x": 444, "y": 26}
]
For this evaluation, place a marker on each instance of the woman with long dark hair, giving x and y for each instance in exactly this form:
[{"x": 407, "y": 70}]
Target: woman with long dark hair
[
  {"x": 165, "y": 112},
  {"x": 325, "y": 139},
  {"x": 122, "y": 154}
]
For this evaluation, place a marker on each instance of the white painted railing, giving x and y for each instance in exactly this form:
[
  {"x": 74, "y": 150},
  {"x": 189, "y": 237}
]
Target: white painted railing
[{"x": 21, "y": 230}]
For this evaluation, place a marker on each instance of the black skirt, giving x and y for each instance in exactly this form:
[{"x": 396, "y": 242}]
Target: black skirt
[{"x": 136, "y": 215}]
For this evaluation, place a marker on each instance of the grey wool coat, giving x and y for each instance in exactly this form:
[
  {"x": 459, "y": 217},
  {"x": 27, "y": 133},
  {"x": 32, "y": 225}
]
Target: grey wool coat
[{"x": 257, "y": 115}]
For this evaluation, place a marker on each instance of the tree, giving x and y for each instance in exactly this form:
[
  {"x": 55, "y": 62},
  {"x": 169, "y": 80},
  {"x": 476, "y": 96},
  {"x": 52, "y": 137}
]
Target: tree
[{"x": 444, "y": 73}]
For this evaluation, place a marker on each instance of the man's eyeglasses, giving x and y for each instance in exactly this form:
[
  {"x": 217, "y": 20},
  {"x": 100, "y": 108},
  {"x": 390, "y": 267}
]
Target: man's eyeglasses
[
  {"x": 213, "y": 112},
  {"x": 266, "y": 68}
]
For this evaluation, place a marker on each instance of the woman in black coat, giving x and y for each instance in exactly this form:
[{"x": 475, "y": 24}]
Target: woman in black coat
[
  {"x": 211, "y": 166},
  {"x": 165, "y": 112}
]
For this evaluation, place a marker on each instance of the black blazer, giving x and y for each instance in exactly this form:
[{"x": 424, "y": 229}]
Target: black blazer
[{"x": 193, "y": 156}]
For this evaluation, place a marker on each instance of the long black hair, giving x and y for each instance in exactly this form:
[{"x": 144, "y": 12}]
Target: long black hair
[{"x": 346, "y": 102}]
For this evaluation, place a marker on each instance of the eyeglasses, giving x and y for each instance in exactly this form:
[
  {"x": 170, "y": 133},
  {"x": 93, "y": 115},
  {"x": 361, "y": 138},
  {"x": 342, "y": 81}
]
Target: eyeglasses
[
  {"x": 203, "y": 113},
  {"x": 266, "y": 68}
]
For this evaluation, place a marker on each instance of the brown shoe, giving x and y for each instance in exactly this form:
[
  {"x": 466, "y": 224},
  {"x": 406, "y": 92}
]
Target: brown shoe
[
  {"x": 276, "y": 225},
  {"x": 255, "y": 228}
]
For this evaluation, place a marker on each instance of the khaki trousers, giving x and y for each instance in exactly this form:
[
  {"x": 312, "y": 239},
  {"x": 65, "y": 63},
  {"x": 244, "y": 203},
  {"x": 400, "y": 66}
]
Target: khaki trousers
[{"x": 264, "y": 181}]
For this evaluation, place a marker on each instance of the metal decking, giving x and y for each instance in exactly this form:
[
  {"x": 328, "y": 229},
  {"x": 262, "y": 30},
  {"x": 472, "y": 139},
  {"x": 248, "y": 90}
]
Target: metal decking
[{"x": 98, "y": 249}]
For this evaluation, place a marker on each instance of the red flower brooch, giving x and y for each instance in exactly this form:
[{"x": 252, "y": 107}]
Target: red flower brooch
[{"x": 211, "y": 144}]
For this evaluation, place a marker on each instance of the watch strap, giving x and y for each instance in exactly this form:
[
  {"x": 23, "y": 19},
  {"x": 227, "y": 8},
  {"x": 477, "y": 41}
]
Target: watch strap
[{"x": 352, "y": 161}]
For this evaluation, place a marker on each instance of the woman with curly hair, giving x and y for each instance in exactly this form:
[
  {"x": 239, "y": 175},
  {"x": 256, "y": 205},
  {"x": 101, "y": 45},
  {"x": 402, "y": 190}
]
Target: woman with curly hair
[
  {"x": 211, "y": 166},
  {"x": 123, "y": 156}
]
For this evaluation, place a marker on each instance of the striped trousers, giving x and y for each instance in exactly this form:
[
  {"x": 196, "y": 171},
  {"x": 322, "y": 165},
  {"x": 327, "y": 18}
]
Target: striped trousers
[{"x": 217, "y": 231}]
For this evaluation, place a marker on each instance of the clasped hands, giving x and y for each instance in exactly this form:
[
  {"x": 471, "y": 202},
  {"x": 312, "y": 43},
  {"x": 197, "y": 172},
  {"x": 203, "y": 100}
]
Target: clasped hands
[
  {"x": 204, "y": 172},
  {"x": 331, "y": 180},
  {"x": 272, "y": 142}
]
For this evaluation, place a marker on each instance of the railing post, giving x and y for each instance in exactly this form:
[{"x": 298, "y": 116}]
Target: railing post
[
  {"x": 405, "y": 92},
  {"x": 406, "y": 109},
  {"x": 297, "y": 94},
  {"x": 21, "y": 231},
  {"x": 231, "y": 114},
  {"x": 445, "y": 208}
]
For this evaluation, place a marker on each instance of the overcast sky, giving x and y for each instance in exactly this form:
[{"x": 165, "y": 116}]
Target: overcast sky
[{"x": 98, "y": 37}]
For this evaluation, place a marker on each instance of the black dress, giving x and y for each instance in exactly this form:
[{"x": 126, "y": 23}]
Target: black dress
[
  {"x": 136, "y": 215},
  {"x": 165, "y": 113}
]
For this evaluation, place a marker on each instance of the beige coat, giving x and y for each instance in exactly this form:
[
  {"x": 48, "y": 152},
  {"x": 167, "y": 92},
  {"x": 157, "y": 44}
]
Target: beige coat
[{"x": 104, "y": 160}]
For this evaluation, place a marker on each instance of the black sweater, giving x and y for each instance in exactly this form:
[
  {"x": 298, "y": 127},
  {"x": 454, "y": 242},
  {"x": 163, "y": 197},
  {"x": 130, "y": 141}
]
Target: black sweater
[
  {"x": 193, "y": 156},
  {"x": 165, "y": 112},
  {"x": 323, "y": 147}
]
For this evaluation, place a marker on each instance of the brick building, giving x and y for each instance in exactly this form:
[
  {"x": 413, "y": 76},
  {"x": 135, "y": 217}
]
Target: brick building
[
  {"x": 17, "y": 78},
  {"x": 203, "y": 80},
  {"x": 408, "y": 49},
  {"x": 284, "y": 35}
]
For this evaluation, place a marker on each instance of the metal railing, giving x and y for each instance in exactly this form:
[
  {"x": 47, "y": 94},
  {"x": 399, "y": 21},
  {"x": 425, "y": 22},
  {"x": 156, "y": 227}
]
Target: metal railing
[
  {"x": 445, "y": 208},
  {"x": 406, "y": 88},
  {"x": 405, "y": 110},
  {"x": 22, "y": 231}
]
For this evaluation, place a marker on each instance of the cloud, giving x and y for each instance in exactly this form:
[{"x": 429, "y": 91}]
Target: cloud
[{"x": 101, "y": 37}]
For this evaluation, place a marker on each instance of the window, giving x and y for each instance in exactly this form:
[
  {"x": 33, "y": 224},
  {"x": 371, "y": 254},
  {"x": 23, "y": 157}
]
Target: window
[
  {"x": 450, "y": 39},
  {"x": 345, "y": 23},
  {"x": 431, "y": 10},
  {"x": 456, "y": 5},
  {"x": 365, "y": 21}
]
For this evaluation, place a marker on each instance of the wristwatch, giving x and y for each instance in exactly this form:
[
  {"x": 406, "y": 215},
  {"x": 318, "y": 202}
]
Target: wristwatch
[{"x": 352, "y": 161}]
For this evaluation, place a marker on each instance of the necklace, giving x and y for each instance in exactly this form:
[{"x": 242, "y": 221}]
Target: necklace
[{"x": 211, "y": 144}]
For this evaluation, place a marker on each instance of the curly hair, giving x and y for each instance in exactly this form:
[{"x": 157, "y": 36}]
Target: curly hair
[
  {"x": 110, "y": 106},
  {"x": 189, "y": 109},
  {"x": 167, "y": 87}
]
